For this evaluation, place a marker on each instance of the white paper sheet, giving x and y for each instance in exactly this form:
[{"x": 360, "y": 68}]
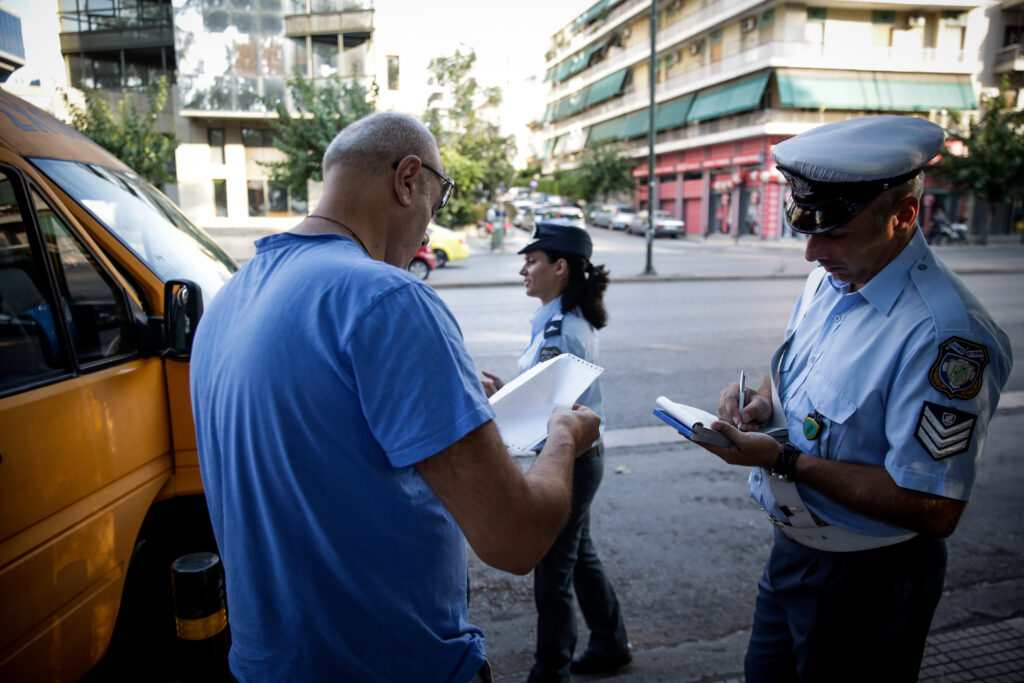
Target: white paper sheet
[{"x": 522, "y": 407}]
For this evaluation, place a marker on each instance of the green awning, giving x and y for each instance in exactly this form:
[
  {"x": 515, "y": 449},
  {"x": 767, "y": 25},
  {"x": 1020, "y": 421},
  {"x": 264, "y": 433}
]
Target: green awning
[
  {"x": 607, "y": 87},
  {"x": 548, "y": 146},
  {"x": 590, "y": 14},
  {"x": 874, "y": 92},
  {"x": 672, "y": 113},
  {"x": 730, "y": 99},
  {"x": 636, "y": 125},
  {"x": 577, "y": 102},
  {"x": 576, "y": 63},
  {"x": 607, "y": 130}
]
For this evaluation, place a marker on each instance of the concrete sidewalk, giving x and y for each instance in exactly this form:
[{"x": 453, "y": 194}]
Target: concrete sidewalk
[{"x": 986, "y": 650}]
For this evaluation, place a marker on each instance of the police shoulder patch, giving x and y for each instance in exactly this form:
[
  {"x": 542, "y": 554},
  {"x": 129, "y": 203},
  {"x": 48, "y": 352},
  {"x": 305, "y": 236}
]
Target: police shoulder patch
[
  {"x": 553, "y": 328},
  {"x": 959, "y": 369},
  {"x": 943, "y": 431},
  {"x": 549, "y": 352}
]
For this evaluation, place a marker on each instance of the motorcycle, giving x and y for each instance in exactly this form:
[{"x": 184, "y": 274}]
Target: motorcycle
[{"x": 945, "y": 233}]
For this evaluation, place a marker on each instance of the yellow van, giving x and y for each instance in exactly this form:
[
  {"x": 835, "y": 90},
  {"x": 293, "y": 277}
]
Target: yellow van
[{"x": 102, "y": 282}]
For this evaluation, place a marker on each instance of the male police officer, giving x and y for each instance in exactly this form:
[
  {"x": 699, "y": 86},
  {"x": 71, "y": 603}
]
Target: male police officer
[{"x": 888, "y": 376}]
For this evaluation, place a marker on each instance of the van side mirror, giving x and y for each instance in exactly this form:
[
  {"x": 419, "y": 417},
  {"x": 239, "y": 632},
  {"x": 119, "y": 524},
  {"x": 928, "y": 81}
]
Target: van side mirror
[{"x": 183, "y": 307}]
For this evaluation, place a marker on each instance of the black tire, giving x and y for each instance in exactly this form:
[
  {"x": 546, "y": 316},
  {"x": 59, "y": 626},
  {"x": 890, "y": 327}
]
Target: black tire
[
  {"x": 419, "y": 268},
  {"x": 442, "y": 258},
  {"x": 144, "y": 634}
]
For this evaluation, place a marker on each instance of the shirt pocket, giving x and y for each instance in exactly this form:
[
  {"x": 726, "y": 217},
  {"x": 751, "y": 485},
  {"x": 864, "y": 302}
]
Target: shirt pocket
[{"x": 833, "y": 411}]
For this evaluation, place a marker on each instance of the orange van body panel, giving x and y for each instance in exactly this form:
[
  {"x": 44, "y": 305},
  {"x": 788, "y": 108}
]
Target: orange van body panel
[{"x": 83, "y": 458}]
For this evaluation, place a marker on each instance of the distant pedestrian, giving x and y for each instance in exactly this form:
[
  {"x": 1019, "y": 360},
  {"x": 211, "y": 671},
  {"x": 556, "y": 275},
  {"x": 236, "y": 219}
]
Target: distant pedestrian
[{"x": 557, "y": 270}]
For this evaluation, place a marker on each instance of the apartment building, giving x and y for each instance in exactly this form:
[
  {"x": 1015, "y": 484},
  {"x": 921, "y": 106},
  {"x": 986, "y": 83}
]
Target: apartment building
[
  {"x": 222, "y": 56},
  {"x": 735, "y": 77},
  {"x": 12, "y": 46}
]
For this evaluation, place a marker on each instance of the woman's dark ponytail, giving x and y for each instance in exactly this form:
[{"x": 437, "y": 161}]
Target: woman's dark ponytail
[{"x": 585, "y": 287}]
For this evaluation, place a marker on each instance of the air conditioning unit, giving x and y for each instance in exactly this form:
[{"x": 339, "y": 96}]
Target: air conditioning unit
[
  {"x": 748, "y": 24},
  {"x": 696, "y": 48},
  {"x": 915, "y": 20}
]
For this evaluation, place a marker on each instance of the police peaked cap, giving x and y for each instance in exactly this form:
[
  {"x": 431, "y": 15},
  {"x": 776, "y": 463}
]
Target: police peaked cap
[
  {"x": 835, "y": 171},
  {"x": 559, "y": 234}
]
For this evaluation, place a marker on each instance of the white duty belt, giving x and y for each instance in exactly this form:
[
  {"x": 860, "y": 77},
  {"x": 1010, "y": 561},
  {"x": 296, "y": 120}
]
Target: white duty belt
[{"x": 799, "y": 524}]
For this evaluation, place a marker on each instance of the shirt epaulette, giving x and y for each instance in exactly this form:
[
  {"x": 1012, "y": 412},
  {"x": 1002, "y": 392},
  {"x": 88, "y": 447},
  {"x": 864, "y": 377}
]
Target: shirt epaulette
[{"x": 934, "y": 282}]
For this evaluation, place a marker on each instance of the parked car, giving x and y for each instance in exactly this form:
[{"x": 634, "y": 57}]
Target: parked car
[
  {"x": 622, "y": 219},
  {"x": 574, "y": 214},
  {"x": 423, "y": 262},
  {"x": 603, "y": 216},
  {"x": 447, "y": 245},
  {"x": 664, "y": 224},
  {"x": 526, "y": 216}
]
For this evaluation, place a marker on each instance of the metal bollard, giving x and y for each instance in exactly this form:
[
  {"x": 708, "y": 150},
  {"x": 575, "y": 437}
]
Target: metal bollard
[{"x": 200, "y": 616}]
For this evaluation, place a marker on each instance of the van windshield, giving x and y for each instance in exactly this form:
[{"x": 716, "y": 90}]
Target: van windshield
[{"x": 145, "y": 221}]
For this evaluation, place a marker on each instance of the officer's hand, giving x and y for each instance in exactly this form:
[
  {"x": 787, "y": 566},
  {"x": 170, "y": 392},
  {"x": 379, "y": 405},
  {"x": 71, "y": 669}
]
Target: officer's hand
[
  {"x": 581, "y": 423},
  {"x": 491, "y": 384},
  {"x": 750, "y": 449},
  {"x": 756, "y": 408}
]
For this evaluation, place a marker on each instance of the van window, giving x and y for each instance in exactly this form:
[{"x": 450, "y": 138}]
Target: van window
[
  {"x": 30, "y": 348},
  {"x": 145, "y": 221},
  {"x": 93, "y": 306},
  {"x": 33, "y": 328}
]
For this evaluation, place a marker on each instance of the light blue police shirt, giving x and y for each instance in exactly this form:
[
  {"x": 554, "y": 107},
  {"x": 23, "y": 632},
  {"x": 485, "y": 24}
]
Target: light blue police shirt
[
  {"x": 904, "y": 373},
  {"x": 551, "y": 334}
]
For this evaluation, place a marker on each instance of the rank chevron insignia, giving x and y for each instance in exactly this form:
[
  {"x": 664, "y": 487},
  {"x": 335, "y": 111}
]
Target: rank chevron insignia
[{"x": 943, "y": 431}]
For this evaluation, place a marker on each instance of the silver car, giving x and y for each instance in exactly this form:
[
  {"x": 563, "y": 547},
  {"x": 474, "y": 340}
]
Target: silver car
[{"x": 664, "y": 224}]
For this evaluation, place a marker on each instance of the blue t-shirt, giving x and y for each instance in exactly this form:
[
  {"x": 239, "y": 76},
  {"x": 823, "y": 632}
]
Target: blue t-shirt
[
  {"x": 319, "y": 378},
  {"x": 904, "y": 373}
]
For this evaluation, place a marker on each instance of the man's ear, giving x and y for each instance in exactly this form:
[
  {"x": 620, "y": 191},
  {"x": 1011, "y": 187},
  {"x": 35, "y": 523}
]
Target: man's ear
[
  {"x": 404, "y": 182},
  {"x": 906, "y": 211}
]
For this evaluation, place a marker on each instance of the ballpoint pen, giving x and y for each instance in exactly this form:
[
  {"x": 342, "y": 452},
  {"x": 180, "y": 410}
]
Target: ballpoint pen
[{"x": 743, "y": 388}]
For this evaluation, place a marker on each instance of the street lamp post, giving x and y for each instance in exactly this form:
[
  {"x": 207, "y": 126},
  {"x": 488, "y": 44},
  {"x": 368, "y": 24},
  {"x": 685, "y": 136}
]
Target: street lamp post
[{"x": 651, "y": 182}]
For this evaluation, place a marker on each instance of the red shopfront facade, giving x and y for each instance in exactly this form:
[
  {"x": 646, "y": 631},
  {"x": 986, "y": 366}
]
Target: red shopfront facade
[
  {"x": 734, "y": 189},
  {"x": 725, "y": 189}
]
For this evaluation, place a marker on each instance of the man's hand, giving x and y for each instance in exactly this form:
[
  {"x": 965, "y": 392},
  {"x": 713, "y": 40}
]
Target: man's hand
[
  {"x": 757, "y": 406},
  {"x": 491, "y": 384},
  {"x": 581, "y": 424},
  {"x": 747, "y": 449}
]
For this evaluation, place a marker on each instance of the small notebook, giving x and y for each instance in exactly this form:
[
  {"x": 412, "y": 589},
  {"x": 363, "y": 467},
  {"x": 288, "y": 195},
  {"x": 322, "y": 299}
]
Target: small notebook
[{"x": 522, "y": 407}]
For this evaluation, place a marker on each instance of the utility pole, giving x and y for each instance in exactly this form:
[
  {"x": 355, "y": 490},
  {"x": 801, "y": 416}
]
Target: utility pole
[{"x": 651, "y": 181}]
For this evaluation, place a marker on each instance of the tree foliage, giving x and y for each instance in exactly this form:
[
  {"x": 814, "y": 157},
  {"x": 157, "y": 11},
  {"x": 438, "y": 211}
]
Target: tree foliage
[
  {"x": 322, "y": 110},
  {"x": 603, "y": 171},
  {"x": 130, "y": 135},
  {"x": 992, "y": 166},
  {"x": 473, "y": 151}
]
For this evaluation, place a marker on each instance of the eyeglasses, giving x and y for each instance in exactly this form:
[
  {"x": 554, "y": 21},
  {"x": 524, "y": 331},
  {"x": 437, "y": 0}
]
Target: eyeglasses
[{"x": 447, "y": 184}]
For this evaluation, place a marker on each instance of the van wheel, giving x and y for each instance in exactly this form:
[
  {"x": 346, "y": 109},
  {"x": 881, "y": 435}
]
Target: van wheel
[{"x": 144, "y": 634}]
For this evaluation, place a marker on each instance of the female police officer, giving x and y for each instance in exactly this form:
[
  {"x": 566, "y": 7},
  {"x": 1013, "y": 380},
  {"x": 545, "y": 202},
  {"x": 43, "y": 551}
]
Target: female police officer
[{"x": 557, "y": 270}]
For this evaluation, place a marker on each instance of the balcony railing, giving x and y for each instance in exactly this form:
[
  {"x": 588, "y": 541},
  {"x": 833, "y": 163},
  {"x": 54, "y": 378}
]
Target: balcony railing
[
  {"x": 770, "y": 55},
  {"x": 823, "y": 56}
]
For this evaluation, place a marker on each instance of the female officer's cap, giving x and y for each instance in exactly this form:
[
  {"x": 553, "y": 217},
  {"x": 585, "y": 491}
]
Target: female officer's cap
[
  {"x": 835, "y": 171},
  {"x": 559, "y": 234}
]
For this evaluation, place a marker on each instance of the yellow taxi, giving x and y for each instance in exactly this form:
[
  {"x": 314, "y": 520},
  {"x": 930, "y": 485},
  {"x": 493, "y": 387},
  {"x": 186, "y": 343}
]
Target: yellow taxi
[{"x": 448, "y": 245}]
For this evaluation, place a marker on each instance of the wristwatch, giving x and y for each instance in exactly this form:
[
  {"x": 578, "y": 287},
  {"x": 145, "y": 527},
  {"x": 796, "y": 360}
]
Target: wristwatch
[{"x": 785, "y": 465}]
